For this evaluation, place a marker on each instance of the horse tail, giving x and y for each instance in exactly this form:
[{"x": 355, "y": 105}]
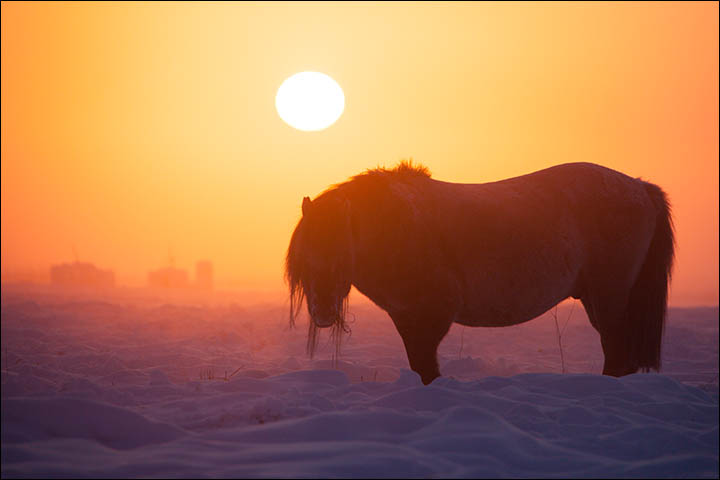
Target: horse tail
[{"x": 647, "y": 304}]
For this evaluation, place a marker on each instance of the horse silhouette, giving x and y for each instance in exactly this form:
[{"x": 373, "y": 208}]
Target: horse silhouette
[{"x": 495, "y": 254}]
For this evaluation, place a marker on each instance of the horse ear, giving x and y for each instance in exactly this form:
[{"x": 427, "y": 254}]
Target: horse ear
[{"x": 306, "y": 205}]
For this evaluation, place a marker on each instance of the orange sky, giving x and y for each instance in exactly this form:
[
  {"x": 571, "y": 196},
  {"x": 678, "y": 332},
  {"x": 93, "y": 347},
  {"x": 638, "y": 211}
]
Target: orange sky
[{"x": 131, "y": 128}]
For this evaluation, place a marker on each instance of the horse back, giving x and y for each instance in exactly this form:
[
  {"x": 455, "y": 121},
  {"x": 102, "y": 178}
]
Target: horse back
[{"x": 519, "y": 246}]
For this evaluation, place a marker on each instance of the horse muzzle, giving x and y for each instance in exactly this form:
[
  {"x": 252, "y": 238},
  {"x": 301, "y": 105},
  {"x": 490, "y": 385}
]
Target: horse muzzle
[
  {"x": 324, "y": 315},
  {"x": 322, "y": 321}
]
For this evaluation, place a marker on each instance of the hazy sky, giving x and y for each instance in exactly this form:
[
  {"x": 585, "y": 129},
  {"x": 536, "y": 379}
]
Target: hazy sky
[{"x": 130, "y": 129}]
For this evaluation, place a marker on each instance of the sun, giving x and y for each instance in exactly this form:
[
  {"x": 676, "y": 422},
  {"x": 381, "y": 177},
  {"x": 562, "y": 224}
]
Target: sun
[{"x": 310, "y": 101}]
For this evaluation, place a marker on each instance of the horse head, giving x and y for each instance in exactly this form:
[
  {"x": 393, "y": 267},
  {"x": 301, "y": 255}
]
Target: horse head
[{"x": 319, "y": 263}]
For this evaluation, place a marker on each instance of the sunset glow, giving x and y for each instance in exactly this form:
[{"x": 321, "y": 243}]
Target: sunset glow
[{"x": 133, "y": 129}]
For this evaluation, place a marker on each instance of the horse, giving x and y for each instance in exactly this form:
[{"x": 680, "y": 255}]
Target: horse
[{"x": 433, "y": 253}]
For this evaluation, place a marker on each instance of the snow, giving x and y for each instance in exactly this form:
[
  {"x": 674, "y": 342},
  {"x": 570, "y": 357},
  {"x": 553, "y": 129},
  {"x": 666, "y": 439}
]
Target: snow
[{"x": 133, "y": 386}]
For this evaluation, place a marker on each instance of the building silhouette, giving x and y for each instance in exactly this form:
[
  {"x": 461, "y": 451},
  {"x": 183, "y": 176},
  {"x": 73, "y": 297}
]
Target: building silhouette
[{"x": 81, "y": 274}]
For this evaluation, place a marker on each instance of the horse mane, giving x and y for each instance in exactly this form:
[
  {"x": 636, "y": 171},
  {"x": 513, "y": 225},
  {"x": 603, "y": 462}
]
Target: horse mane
[
  {"x": 405, "y": 169},
  {"x": 293, "y": 274}
]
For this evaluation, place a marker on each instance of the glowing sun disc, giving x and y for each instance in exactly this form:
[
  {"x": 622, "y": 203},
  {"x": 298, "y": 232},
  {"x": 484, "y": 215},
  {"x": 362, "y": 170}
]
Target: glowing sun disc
[{"x": 310, "y": 101}]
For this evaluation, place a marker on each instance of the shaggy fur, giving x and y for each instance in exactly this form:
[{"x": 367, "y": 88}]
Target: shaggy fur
[{"x": 431, "y": 253}]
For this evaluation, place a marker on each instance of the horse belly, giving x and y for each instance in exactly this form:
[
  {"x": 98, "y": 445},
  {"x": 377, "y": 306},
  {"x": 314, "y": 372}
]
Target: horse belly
[
  {"x": 513, "y": 310},
  {"x": 511, "y": 293},
  {"x": 494, "y": 316}
]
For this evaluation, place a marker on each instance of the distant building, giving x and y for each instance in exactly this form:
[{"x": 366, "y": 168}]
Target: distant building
[
  {"x": 204, "y": 275},
  {"x": 169, "y": 277},
  {"x": 81, "y": 274}
]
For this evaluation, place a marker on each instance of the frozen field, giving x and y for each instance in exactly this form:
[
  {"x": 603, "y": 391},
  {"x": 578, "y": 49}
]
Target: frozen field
[{"x": 128, "y": 387}]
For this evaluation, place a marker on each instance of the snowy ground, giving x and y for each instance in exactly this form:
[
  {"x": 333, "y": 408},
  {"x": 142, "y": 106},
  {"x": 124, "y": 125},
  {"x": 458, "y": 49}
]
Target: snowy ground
[{"x": 115, "y": 386}]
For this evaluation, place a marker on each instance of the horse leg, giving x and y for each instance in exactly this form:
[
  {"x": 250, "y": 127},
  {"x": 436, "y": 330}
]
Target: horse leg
[
  {"x": 421, "y": 334},
  {"x": 608, "y": 316}
]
